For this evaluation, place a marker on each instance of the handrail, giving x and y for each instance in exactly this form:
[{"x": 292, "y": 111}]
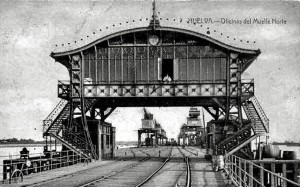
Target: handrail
[
  {"x": 250, "y": 115},
  {"x": 241, "y": 173},
  {"x": 63, "y": 82},
  {"x": 54, "y": 114},
  {"x": 67, "y": 82},
  {"x": 247, "y": 81},
  {"x": 260, "y": 112},
  {"x": 39, "y": 162},
  {"x": 73, "y": 134},
  {"x": 62, "y": 103},
  {"x": 77, "y": 141},
  {"x": 235, "y": 134}
]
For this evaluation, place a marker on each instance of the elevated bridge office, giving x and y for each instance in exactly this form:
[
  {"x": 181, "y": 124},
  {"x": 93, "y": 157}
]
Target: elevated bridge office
[{"x": 125, "y": 66}]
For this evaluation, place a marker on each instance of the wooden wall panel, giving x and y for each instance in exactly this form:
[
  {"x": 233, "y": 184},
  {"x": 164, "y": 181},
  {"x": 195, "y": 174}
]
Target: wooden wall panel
[
  {"x": 210, "y": 69},
  {"x": 194, "y": 63},
  {"x": 112, "y": 70},
  {"x": 93, "y": 69},
  {"x": 204, "y": 69},
  {"x": 191, "y": 69},
  {"x": 152, "y": 70},
  {"x": 118, "y": 70},
  {"x": 223, "y": 68},
  {"x": 86, "y": 66},
  {"x": 197, "y": 69},
  {"x": 105, "y": 70},
  {"x": 139, "y": 66},
  {"x": 125, "y": 70},
  {"x": 144, "y": 76},
  {"x": 131, "y": 73},
  {"x": 182, "y": 69},
  {"x": 218, "y": 69}
]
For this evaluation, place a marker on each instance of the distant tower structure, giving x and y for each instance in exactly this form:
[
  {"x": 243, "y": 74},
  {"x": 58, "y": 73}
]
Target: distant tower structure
[
  {"x": 155, "y": 134},
  {"x": 193, "y": 132}
]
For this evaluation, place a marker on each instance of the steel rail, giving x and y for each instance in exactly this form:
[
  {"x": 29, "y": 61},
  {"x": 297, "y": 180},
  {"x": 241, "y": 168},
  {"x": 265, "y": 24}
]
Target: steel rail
[
  {"x": 78, "y": 172},
  {"x": 68, "y": 175},
  {"x": 156, "y": 171},
  {"x": 188, "y": 175},
  {"x": 188, "y": 168},
  {"x": 131, "y": 166},
  {"x": 114, "y": 173},
  {"x": 189, "y": 150}
]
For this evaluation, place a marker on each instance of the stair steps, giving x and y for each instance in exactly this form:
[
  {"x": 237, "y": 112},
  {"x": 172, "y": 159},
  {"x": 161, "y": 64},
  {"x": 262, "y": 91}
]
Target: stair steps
[
  {"x": 259, "y": 124},
  {"x": 70, "y": 146},
  {"x": 255, "y": 113},
  {"x": 53, "y": 125}
]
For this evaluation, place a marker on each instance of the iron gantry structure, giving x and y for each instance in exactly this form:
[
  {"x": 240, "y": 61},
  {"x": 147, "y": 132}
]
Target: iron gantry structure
[
  {"x": 124, "y": 65},
  {"x": 152, "y": 129},
  {"x": 192, "y": 133}
]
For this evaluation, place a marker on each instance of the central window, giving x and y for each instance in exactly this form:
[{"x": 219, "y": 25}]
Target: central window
[{"x": 168, "y": 68}]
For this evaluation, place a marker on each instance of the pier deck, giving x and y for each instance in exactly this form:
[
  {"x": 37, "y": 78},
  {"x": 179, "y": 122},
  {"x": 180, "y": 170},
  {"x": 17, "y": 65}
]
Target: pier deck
[{"x": 132, "y": 167}]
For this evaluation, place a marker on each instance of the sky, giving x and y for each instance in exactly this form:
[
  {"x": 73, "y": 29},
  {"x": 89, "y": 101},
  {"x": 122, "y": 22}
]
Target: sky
[{"x": 28, "y": 75}]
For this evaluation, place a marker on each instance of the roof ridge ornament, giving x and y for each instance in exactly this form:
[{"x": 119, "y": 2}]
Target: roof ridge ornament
[{"x": 154, "y": 22}]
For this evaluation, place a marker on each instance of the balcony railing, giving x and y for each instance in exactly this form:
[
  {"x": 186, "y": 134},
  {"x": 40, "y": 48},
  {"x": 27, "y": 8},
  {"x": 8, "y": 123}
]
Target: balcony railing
[{"x": 154, "y": 89}]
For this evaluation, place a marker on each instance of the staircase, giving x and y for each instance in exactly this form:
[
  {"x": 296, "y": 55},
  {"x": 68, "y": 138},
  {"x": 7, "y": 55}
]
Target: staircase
[
  {"x": 53, "y": 125},
  {"x": 259, "y": 124},
  {"x": 257, "y": 116},
  {"x": 236, "y": 141},
  {"x": 73, "y": 142}
]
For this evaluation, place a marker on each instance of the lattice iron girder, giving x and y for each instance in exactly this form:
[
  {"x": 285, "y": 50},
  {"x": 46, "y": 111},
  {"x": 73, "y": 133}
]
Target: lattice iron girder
[
  {"x": 153, "y": 90},
  {"x": 213, "y": 111},
  {"x": 102, "y": 113},
  {"x": 80, "y": 103}
]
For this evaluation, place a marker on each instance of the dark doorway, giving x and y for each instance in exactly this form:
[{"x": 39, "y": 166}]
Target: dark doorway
[{"x": 167, "y": 68}]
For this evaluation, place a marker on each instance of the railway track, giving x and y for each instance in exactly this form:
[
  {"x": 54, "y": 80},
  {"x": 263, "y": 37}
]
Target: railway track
[
  {"x": 175, "y": 172},
  {"x": 128, "y": 176},
  {"x": 171, "y": 169},
  {"x": 150, "y": 172}
]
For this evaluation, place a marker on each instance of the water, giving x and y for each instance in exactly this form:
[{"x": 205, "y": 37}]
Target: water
[{"x": 13, "y": 151}]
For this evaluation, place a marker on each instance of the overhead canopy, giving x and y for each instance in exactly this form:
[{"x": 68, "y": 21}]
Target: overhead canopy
[
  {"x": 98, "y": 26},
  {"x": 191, "y": 27},
  {"x": 167, "y": 24}
]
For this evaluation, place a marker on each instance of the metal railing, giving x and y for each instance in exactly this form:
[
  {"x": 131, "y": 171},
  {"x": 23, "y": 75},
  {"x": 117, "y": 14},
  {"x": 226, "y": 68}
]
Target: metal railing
[
  {"x": 13, "y": 168},
  {"x": 260, "y": 112},
  {"x": 236, "y": 139},
  {"x": 77, "y": 141},
  {"x": 54, "y": 114},
  {"x": 92, "y": 89},
  {"x": 63, "y": 88},
  {"x": 66, "y": 83},
  {"x": 246, "y": 173},
  {"x": 251, "y": 117}
]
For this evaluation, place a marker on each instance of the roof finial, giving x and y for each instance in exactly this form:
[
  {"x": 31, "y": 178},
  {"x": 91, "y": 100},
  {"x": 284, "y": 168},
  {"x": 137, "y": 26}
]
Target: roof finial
[
  {"x": 154, "y": 10},
  {"x": 154, "y": 21}
]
